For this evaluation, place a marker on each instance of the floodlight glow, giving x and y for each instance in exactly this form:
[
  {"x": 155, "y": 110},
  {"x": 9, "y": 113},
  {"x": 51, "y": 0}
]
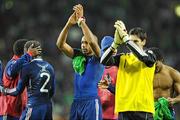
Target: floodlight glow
[{"x": 177, "y": 10}]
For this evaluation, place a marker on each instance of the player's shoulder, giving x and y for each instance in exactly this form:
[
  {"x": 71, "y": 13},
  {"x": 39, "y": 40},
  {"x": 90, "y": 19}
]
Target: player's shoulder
[
  {"x": 171, "y": 69},
  {"x": 46, "y": 63},
  {"x": 26, "y": 67}
]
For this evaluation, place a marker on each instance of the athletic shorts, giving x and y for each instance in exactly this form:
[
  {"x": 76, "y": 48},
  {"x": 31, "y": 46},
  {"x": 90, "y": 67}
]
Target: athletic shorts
[
  {"x": 172, "y": 113},
  {"x": 39, "y": 112},
  {"x": 131, "y": 115},
  {"x": 86, "y": 109}
]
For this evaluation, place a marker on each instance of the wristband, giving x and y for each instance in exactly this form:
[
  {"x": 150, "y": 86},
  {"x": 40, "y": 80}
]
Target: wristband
[
  {"x": 125, "y": 38},
  {"x": 80, "y": 20},
  {"x": 114, "y": 45}
]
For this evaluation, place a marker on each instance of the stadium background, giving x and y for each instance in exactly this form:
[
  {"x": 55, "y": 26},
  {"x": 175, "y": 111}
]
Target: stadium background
[{"x": 44, "y": 19}]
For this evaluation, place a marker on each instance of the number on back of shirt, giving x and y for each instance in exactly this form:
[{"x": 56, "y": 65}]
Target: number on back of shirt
[{"x": 47, "y": 76}]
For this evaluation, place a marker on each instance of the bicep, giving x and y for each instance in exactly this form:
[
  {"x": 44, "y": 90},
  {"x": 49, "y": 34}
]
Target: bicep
[
  {"x": 176, "y": 77},
  {"x": 95, "y": 46}
]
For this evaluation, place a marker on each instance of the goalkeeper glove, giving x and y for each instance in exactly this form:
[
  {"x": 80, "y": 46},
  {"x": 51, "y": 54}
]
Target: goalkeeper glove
[
  {"x": 120, "y": 27},
  {"x": 117, "y": 40}
]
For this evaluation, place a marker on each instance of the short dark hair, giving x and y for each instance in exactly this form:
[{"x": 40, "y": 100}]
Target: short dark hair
[
  {"x": 18, "y": 47},
  {"x": 30, "y": 42},
  {"x": 138, "y": 32},
  {"x": 158, "y": 53}
]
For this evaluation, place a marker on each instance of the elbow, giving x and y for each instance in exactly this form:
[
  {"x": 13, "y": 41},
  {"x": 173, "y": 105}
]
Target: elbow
[{"x": 59, "y": 45}]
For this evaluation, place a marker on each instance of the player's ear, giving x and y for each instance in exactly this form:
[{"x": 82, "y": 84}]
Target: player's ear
[{"x": 144, "y": 42}]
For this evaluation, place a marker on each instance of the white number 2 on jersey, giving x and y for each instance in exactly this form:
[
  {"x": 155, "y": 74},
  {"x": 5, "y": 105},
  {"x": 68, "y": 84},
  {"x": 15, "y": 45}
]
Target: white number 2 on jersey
[{"x": 45, "y": 83}]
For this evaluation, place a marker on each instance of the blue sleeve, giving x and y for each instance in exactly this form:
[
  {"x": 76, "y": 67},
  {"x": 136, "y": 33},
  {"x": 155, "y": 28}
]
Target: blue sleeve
[
  {"x": 13, "y": 69},
  {"x": 53, "y": 83},
  {"x": 111, "y": 88},
  {"x": 1, "y": 73},
  {"x": 22, "y": 83}
]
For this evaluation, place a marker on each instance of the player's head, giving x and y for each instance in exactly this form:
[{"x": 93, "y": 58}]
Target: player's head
[
  {"x": 18, "y": 47},
  {"x": 106, "y": 43},
  {"x": 85, "y": 47},
  {"x": 34, "y": 43},
  {"x": 138, "y": 35}
]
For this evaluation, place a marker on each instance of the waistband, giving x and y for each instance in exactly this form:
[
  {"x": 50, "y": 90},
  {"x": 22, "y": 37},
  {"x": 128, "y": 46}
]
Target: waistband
[{"x": 85, "y": 98}]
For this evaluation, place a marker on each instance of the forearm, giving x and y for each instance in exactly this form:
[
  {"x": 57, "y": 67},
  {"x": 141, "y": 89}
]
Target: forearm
[
  {"x": 148, "y": 58},
  {"x": 17, "y": 90},
  {"x": 91, "y": 38},
  {"x": 135, "y": 49},
  {"x": 177, "y": 99},
  {"x": 63, "y": 36},
  {"x": 107, "y": 56},
  {"x": 17, "y": 66},
  {"x": 12, "y": 92}
]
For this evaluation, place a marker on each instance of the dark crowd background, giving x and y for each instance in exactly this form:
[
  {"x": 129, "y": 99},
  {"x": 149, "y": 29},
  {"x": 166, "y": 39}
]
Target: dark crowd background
[{"x": 44, "y": 19}]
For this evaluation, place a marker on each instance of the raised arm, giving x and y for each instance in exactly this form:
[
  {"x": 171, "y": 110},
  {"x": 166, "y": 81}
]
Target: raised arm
[
  {"x": 61, "y": 41},
  {"x": 89, "y": 36},
  {"x": 14, "y": 68},
  {"x": 147, "y": 58},
  {"x": 176, "y": 79}
]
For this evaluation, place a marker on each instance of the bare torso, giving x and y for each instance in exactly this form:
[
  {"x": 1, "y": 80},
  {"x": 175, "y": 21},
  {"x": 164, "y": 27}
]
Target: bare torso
[{"x": 163, "y": 83}]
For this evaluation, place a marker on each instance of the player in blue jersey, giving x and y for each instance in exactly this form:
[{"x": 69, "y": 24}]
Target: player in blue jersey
[
  {"x": 88, "y": 70},
  {"x": 39, "y": 79},
  {"x": 11, "y": 107}
]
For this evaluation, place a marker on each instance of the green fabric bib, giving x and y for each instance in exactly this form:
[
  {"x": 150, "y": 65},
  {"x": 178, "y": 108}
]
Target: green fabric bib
[
  {"x": 79, "y": 64},
  {"x": 162, "y": 111}
]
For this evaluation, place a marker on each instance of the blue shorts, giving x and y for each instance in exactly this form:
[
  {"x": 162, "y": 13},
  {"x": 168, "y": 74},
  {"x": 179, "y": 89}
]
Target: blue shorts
[
  {"x": 39, "y": 112},
  {"x": 86, "y": 109},
  {"x": 8, "y": 117}
]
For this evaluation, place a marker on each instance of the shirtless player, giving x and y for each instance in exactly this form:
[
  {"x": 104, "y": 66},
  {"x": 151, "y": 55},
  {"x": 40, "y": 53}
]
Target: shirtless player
[{"x": 166, "y": 81}]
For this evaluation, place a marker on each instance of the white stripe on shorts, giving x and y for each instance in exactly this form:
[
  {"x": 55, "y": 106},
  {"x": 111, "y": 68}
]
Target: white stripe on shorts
[
  {"x": 28, "y": 114},
  {"x": 97, "y": 109}
]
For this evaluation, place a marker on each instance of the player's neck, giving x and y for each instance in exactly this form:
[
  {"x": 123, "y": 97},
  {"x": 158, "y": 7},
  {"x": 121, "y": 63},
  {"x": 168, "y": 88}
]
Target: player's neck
[{"x": 159, "y": 68}]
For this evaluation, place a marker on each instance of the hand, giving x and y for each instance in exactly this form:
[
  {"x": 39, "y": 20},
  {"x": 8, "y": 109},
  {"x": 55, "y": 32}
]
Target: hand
[
  {"x": 34, "y": 50},
  {"x": 78, "y": 9},
  {"x": 117, "y": 40},
  {"x": 104, "y": 84},
  {"x": 72, "y": 19},
  {"x": 171, "y": 101},
  {"x": 120, "y": 27},
  {"x": 3, "y": 90}
]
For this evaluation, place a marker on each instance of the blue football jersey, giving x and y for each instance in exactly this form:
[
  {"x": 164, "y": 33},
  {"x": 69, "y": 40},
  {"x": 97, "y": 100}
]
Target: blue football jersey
[
  {"x": 86, "y": 85},
  {"x": 39, "y": 79}
]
